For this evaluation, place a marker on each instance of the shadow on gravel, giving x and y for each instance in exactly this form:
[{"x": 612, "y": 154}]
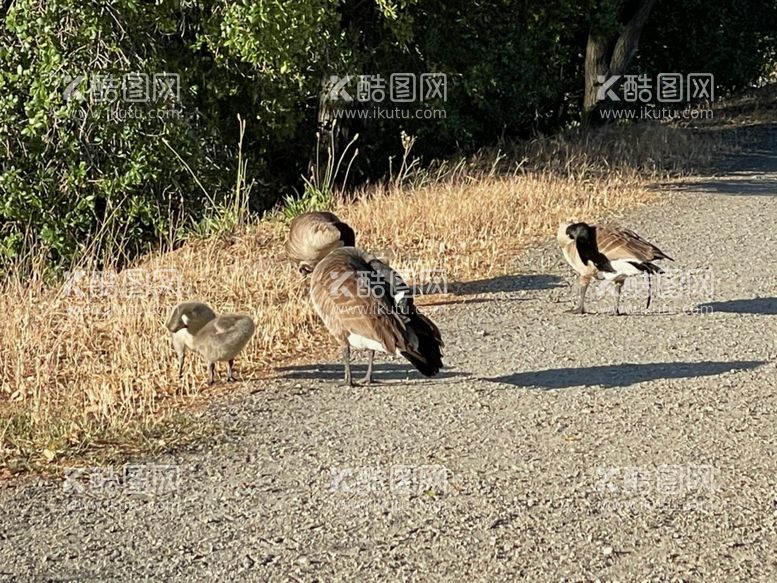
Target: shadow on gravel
[
  {"x": 621, "y": 375},
  {"x": 763, "y": 306},
  {"x": 729, "y": 186},
  {"x": 382, "y": 371},
  {"x": 454, "y": 302},
  {"x": 506, "y": 283}
]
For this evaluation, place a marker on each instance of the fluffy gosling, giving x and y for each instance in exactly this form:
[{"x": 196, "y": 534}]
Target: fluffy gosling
[{"x": 195, "y": 326}]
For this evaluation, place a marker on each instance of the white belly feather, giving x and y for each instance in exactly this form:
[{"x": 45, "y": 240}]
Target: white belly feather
[
  {"x": 623, "y": 268},
  {"x": 363, "y": 343}
]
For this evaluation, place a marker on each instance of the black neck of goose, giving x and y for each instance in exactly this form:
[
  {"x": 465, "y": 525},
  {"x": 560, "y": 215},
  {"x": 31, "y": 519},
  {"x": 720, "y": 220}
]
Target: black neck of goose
[{"x": 347, "y": 236}]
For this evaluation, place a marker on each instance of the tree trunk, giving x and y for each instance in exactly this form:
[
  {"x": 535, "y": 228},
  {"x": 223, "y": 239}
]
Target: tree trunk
[
  {"x": 602, "y": 63},
  {"x": 596, "y": 67},
  {"x": 627, "y": 43}
]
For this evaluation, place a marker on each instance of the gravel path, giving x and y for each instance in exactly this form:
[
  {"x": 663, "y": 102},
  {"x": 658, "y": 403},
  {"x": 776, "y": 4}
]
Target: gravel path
[{"x": 554, "y": 447}]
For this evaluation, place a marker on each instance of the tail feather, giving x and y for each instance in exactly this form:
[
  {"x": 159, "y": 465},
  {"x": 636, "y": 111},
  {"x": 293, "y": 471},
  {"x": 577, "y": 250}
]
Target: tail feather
[
  {"x": 647, "y": 267},
  {"x": 427, "y": 357}
]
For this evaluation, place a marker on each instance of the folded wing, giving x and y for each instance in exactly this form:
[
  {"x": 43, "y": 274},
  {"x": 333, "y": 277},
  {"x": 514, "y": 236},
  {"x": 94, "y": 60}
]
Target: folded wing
[{"x": 365, "y": 302}]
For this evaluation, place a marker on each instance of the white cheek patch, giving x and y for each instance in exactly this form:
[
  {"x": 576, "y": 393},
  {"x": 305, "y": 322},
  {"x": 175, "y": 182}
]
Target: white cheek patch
[
  {"x": 185, "y": 319},
  {"x": 399, "y": 297}
]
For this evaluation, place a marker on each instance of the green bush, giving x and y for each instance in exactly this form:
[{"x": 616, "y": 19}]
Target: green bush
[{"x": 104, "y": 178}]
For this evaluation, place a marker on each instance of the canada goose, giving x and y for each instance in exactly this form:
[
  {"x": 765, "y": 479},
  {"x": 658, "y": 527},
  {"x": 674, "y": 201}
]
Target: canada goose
[
  {"x": 365, "y": 304},
  {"x": 196, "y": 326},
  {"x": 607, "y": 252},
  {"x": 313, "y": 235}
]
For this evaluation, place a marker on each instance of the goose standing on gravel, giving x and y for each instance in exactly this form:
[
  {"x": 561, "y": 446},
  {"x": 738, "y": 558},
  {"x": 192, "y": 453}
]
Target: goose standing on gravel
[
  {"x": 313, "y": 235},
  {"x": 607, "y": 252},
  {"x": 366, "y": 305},
  {"x": 195, "y": 326}
]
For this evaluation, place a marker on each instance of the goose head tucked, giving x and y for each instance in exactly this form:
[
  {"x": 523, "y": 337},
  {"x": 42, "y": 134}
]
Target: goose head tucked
[{"x": 190, "y": 315}]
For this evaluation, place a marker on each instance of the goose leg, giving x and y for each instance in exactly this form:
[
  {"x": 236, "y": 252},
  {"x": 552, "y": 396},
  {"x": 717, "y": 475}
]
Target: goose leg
[
  {"x": 211, "y": 373},
  {"x": 580, "y": 308},
  {"x": 650, "y": 291},
  {"x": 181, "y": 358},
  {"x": 347, "y": 361},
  {"x": 618, "y": 288},
  {"x": 231, "y": 370},
  {"x": 368, "y": 377}
]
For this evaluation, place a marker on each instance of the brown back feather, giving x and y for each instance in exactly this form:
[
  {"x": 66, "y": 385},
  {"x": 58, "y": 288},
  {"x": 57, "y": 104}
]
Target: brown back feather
[
  {"x": 617, "y": 243},
  {"x": 339, "y": 290}
]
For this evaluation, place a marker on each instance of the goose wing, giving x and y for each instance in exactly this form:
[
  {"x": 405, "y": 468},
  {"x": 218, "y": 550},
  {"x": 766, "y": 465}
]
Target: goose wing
[
  {"x": 402, "y": 297},
  {"x": 617, "y": 243},
  {"x": 228, "y": 322},
  {"x": 422, "y": 342},
  {"x": 352, "y": 299}
]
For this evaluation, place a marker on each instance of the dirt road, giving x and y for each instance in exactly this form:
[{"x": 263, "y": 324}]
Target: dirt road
[{"x": 554, "y": 447}]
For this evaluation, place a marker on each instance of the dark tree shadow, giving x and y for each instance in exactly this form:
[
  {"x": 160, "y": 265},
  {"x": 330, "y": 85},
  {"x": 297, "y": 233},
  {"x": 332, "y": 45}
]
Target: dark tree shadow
[
  {"x": 747, "y": 187},
  {"x": 506, "y": 283},
  {"x": 382, "y": 372},
  {"x": 733, "y": 174},
  {"x": 762, "y": 306},
  {"x": 620, "y": 375}
]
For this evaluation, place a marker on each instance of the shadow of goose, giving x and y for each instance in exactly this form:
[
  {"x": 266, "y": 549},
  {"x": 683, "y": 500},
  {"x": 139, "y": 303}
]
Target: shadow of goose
[
  {"x": 381, "y": 371},
  {"x": 763, "y": 306},
  {"x": 620, "y": 375},
  {"x": 507, "y": 283}
]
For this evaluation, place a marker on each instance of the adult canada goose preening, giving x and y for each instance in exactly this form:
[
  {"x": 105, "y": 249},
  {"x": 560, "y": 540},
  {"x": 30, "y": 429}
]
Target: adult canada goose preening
[
  {"x": 195, "y": 326},
  {"x": 313, "y": 235},
  {"x": 607, "y": 252},
  {"x": 365, "y": 304}
]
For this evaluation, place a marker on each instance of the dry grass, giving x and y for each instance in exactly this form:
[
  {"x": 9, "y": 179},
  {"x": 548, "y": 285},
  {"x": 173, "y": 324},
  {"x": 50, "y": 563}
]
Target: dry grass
[{"x": 90, "y": 373}]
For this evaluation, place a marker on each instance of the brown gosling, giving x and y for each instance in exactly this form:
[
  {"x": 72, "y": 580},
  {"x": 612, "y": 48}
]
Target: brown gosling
[
  {"x": 195, "y": 326},
  {"x": 313, "y": 235},
  {"x": 366, "y": 305},
  {"x": 607, "y": 252}
]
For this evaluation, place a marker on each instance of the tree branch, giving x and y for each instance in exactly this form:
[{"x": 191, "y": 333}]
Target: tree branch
[{"x": 628, "y": 41}]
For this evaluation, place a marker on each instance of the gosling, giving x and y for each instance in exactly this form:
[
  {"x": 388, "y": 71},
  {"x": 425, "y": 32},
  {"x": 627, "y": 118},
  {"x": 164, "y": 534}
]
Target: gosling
[
  {"x": 607, "y": 252},
  {"x": 195, "y": 326},
  {"x": 313, "y": 235}
]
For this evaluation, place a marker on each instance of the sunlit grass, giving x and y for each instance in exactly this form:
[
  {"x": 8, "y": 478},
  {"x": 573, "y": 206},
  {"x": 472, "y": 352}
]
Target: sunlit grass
[{"x": 87, "y": 370}]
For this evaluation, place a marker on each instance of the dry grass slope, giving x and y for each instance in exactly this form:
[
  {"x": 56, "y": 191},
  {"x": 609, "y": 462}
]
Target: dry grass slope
[{"x": 89, "y": 373}]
